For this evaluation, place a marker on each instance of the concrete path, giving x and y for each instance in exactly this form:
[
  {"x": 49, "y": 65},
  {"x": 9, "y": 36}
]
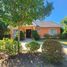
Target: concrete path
[
  {"x": 25, "y": 62},
  {"x": 29, "y": 40},
  {"x": 65, "y": 51},
  {"x": 24, "y": 42}
]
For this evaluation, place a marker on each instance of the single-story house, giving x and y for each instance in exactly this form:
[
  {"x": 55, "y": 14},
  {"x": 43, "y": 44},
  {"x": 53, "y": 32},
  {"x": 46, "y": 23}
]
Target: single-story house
[{"x": 42, "y": 28}]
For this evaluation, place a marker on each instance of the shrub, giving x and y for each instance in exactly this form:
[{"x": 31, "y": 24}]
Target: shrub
[
  {"x": 64, "y": 36},
  {"x": 57, "y": 36},
  {"x": 7, "y": 33},
  {"x": 47, "y": 36},
  {"x": 33, "y": 46},
  {"x": 22, "y": 36},
  {"x": 61, "y": 30},
  {"x": 35, "y": 35},
  {"x": 10, "y": 46},
  {"x": 2, "y": 45},
  {"x": 52, "y": 51},
  {"x": 3, "y": 28},
  {"x": 7, "y": 36},
  {"x": 16, "y": 38}
]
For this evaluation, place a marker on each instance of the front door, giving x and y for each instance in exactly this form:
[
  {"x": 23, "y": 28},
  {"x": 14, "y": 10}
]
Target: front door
[{"x": 28, "y": 33}]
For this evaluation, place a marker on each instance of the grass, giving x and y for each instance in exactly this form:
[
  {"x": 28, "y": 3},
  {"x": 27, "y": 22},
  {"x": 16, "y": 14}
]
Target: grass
[{"x": 64, "y": 42}]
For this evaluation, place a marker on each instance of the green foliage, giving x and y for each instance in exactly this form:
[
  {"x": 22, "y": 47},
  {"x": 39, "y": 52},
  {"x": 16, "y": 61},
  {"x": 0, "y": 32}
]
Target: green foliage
[
  {"x": 2, "y": 46},
  {"x": 22, "y": 35},
  {"x": 3, "y": 28},
  {"x": 18, "y": 12},
  {"x": 64, "y": 23},
  {"x": 64, "y": 36},
  {"x": 16, "y": 38},
  {"x": 9, "y": 46},
  {"x": 35, "y": 35},
  {"x": 47, "y": 36},
  {"x": 61, "y": 30},
  {"x": 7, "y": 33},
  {"x": 57, "y": 36},
  {"x": 33, "y": 46},
  {"x": 52, "y": 51}
]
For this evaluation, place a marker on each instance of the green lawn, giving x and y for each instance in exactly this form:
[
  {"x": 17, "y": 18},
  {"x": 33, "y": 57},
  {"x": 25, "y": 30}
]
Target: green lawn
[{"x": 64, "y": 42}]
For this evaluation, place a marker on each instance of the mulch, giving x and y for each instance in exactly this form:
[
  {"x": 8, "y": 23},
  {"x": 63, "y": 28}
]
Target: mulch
[{"x": 29, "y": 60}]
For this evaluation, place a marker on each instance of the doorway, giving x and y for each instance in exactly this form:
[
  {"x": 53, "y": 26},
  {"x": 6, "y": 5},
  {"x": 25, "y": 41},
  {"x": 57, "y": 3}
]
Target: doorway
[{"x": 28, "y": 33}]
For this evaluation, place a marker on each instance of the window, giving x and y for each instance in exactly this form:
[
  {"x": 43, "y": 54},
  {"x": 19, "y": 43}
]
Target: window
[{"x": 52, "y": 32}]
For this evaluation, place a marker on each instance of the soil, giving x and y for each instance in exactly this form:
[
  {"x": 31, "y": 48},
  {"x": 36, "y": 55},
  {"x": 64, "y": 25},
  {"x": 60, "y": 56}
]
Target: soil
[{"x": 29, "y": 60}]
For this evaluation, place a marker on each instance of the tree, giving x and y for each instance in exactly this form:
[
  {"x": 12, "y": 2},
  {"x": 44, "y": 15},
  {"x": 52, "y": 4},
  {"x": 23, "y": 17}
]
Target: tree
[
  {"x": 64, "y": 23},
  {"x": 18, "y": 12},
  {"x": 3, "y": 28}
]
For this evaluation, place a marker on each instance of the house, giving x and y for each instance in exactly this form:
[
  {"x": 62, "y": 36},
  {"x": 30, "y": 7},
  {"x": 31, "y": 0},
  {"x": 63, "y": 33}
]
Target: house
[{"x": 42, "y": 28}]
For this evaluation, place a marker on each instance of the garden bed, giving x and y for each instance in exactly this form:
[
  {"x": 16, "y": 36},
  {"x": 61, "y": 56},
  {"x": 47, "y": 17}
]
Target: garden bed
[{"x": 30, "y": 60}]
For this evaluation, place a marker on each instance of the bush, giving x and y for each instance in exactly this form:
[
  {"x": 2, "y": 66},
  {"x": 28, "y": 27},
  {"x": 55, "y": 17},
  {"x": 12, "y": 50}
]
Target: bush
[
  {"x": 35, "y": 35},
  {"x": 9, "y": 46},
  {"x": 2, "y": 45},
  {"x": 7, "y": 33},
  {"x": 64, "y": 36},
  {"x": 7, "y": 36},
  {"x": 33, "y": 46},
  {"x": 22, "y": 36},
  {"x": 16, "y": 38},
  {"x": 57, "y": 36},
  {"x": 3, "y": 28},
  {"x": 47, "y": 36},
  {"x": 61, "y": 30},
  {"x": 52, "y": 51}
]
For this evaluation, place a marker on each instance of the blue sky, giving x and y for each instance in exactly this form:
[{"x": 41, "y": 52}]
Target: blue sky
[{"x": 59, "y": 11}]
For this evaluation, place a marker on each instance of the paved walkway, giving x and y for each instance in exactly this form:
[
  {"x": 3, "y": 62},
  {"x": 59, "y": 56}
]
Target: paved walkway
[
  {"x": 25, "y": 61},
  {"x": 65, "y": 51},
  {"x": 29, "y": 40},
  {"x": 24, "y": 42}
]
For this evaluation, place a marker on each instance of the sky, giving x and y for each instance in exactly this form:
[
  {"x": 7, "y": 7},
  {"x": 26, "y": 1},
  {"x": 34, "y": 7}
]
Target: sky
[{"x": 59, "y": 11}]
